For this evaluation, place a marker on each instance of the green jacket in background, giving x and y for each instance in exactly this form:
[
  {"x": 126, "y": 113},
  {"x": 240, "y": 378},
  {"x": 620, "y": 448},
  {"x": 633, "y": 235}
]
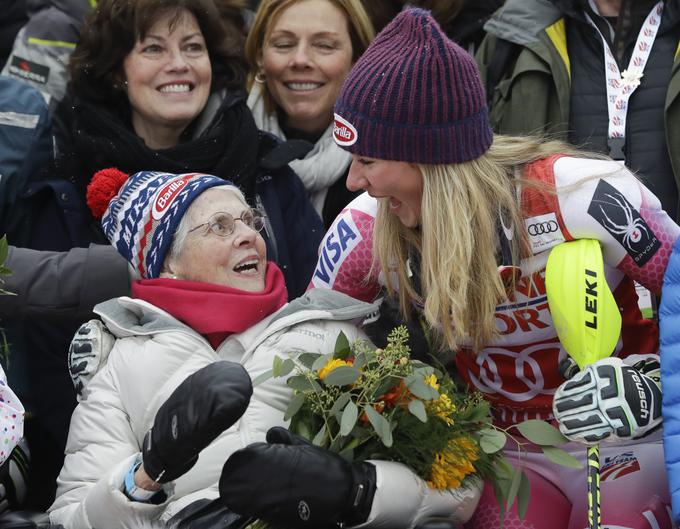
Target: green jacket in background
[{"x": 532, "y": 94}]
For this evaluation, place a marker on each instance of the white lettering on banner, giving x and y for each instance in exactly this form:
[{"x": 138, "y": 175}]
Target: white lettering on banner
[
  {"x": 527, "y": 372},
  {"x": 341, "y": 239},
  {"x": 344, "y": 132},
  {"x": 165, "y": 197}
]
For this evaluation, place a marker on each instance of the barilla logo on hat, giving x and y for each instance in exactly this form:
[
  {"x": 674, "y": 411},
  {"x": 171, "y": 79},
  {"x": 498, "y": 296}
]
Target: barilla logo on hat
[
  {"x": 344, "y": 132},
  {"x": 167, "y": 195}
]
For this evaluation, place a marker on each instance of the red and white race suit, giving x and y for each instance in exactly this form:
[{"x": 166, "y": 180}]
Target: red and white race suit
[{"x": 583, "y": 198}]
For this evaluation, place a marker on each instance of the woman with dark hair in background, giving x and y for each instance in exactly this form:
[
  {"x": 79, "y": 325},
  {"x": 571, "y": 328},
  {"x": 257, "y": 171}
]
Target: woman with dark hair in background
[{"x": 153, "y": 87}]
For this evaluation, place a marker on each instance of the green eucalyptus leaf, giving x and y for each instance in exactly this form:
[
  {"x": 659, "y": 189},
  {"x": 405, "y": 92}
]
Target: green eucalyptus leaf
[
  {"x": 342, "y": 349},
  {"x": 491, "y": 440},
  {"x": 417, "y": 386},
  {"x": 276, "y": 366},
  {"x": 302, "y": 383},
  {"x": 560, "y": 457},
  {"x": 523, "y": 496},
  {"x": 514, "y": 488},
  {"x": 320, "y": 362},
  {"x": 541, "y": 433},
  {"x": 308, "y": 359},
  {"x": 286, "y": 367},
  {"x": 294, "y": 406},
  {"x": 423, "y": 370},
  {"x": 263, "y": 377},
  {"x": 503, "y": 468},
  {"x": 342, "y": 376},
  {"x": 360, "y": 360},
  {"x": 349, "y": 418},
  {"x": 500, "y": 499},
  {"x": 4, "y": 249},
  {"x": 417, "y": 408},
  {"x": 321, "y": 437},
  {"x": 477, "y": 413},
  {"x": 302, "y": 428},
  {"x": 5, "y": 271},
  {"x": 380, "y": 425},
  {"x": 339, "y": 404}
]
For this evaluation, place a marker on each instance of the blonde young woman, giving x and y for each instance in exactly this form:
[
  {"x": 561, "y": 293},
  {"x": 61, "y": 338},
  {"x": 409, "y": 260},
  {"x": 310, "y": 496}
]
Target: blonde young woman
[
  {"x": 300, "y": 52},
  {"x": 456, "y": 226}
]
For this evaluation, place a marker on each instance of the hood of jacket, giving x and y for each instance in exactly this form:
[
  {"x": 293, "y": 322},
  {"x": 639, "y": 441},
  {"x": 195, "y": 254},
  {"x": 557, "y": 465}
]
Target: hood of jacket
[
  {"x": 76, "y": 9},
  {"x": 521, "y": 21}
]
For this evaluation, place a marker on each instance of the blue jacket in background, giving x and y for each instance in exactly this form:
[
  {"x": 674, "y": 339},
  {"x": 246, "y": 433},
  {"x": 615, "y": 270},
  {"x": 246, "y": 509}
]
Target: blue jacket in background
[{"x": 669, "y": 313}]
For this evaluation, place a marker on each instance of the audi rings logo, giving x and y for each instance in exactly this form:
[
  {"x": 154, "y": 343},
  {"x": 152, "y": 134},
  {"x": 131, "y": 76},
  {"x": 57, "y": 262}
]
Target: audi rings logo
[{"x": 541, "y": 228}]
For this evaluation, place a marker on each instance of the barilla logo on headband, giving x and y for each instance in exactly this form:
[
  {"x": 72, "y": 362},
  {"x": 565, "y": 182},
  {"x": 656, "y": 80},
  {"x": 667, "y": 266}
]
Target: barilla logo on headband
[
  {"x": 166, "y": 196},
  {"x": 344, "y": 132}
]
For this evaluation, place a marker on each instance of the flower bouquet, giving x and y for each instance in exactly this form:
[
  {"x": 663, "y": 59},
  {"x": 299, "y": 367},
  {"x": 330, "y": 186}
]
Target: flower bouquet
[{"x": 366, "y": 403}]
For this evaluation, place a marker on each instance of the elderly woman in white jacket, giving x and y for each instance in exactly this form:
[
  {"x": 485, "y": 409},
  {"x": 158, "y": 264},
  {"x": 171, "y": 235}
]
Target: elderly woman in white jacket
[
  {"x": 207, "y": 315},
  {"x": 206, "y": 294}
]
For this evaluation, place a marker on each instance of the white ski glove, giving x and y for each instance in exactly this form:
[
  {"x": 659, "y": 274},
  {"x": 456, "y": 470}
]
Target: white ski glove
[{"x": 609, "y": 399}]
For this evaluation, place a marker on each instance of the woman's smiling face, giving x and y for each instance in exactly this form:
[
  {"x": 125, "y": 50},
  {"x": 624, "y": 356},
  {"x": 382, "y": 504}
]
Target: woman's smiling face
[
  {"x": 306, "y": 58},
  {"x": 400, "y": 183},
  {"x": 168, "y": 75}
]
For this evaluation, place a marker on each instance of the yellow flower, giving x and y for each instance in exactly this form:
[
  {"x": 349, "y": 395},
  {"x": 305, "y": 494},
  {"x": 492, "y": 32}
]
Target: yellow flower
[
  {"x": 332, "y": 364},
  {"x": 443, "y": 408},
  {"x": 432, "y": 381},
  {"x": 452, "y": 465}
]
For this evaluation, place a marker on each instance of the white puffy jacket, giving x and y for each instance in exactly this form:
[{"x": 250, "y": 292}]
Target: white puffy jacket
[{"x": 152, "y": 355}]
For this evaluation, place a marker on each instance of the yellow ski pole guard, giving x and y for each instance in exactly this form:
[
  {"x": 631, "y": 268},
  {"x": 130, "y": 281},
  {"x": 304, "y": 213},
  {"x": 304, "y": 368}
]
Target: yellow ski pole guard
[{"x": 588, "y": 324}]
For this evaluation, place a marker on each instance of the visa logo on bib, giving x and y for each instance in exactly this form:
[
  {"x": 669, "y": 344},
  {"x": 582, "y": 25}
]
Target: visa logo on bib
[
  {"x": 344, "y": 132},
  {"x": 340, "y": 240}
]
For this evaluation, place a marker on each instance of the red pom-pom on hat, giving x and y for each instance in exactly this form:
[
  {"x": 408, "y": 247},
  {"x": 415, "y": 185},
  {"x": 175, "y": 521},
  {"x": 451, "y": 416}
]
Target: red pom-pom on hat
[{"x": 104, "y": 185}]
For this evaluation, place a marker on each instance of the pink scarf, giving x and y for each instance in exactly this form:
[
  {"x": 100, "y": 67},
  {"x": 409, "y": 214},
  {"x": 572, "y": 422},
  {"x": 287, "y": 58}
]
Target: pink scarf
[{"x": 212, "y": 310}]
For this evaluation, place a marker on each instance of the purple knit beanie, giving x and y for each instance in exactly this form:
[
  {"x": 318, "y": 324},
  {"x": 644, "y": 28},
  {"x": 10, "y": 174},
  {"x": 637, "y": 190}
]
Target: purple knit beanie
[{"x": 413, "y": 96}]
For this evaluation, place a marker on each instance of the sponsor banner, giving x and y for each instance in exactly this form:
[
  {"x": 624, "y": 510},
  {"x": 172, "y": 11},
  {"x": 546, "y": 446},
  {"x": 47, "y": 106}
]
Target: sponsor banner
[
  {"x": 339, "y": 242},
  {"x": 611, "y": 209},
  {"x": 544, "y": 232},
  {"x": 29, "y": 70},
  {"x": 166, "y": 195},
  {"x": 344, "y": 132}
]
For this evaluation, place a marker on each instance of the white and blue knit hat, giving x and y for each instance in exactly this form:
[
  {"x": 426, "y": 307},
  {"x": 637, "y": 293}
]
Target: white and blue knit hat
[{"x": 140, "y": 213}]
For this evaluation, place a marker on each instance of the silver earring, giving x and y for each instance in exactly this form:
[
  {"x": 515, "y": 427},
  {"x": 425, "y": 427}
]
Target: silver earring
[{"x": 260, "y": 77}]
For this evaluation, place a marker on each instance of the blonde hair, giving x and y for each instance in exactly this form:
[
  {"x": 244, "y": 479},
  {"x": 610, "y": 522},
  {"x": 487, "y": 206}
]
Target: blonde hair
[
  {"x": 359, "y": 26},
  {"x": 457, "y": 238}
]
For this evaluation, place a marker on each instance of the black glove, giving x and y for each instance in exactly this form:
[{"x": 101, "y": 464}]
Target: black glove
[
  {"x": 289, "y": 482},
  {"x": 201, "y": 408}
]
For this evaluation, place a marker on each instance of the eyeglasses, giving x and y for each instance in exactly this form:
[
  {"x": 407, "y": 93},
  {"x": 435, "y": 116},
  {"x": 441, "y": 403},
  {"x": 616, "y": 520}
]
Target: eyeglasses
[{"x": 223, "y": 224}]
